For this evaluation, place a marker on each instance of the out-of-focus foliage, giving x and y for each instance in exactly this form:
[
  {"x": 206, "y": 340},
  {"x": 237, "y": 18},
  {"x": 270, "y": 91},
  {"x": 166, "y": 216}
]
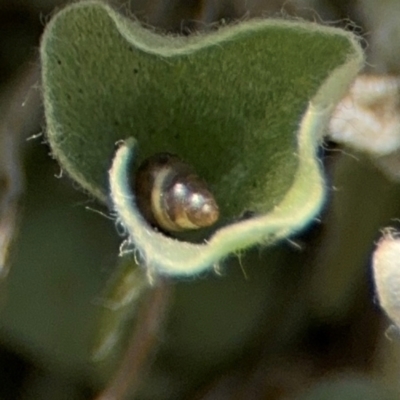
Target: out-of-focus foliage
[{"x": 312, "y": 297}]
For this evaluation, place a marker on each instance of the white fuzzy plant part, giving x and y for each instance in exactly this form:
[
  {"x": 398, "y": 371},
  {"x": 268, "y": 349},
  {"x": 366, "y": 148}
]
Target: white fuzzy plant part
[
  {"x": 386, "y": 268},
  {"x": 368, "y": 117}
]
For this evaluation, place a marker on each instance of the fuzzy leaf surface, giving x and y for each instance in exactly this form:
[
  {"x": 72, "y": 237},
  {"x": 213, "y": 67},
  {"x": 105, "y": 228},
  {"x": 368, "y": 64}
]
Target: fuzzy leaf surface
[{"x": 245, "y": 106}]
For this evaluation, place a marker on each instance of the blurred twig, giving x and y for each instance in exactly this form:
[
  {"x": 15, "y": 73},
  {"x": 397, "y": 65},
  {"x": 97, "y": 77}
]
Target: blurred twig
[
  {"x": 20, "y": 108},
  {"x": 142, "y": 343}
]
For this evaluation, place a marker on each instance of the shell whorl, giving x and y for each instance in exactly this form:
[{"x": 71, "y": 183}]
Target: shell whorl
[{"x": 171, "y": 196}]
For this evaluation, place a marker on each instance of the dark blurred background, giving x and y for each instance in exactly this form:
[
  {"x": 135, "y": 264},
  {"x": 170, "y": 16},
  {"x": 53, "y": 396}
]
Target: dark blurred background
[{"x": 276, "y": 322}]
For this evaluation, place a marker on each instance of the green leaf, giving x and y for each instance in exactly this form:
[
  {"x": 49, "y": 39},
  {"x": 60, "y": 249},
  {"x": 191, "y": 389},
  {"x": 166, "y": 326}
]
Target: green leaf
[{"x": 246, "y": 106}]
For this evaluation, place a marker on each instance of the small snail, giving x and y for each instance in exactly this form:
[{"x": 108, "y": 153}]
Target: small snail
[{"x": 171, "y": 196}]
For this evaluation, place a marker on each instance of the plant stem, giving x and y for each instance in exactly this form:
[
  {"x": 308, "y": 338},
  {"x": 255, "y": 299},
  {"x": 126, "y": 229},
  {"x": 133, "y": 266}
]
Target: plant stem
[{"x": 141, "y": 345}]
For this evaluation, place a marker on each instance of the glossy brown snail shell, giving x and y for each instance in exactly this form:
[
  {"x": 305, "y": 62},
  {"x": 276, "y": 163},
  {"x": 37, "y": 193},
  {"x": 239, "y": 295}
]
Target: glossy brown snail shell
[{"x": 171, "y": 196}]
